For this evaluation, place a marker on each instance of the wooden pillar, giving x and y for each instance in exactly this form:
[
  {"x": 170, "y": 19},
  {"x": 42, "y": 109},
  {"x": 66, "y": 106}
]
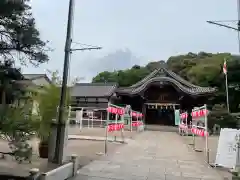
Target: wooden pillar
[
  {"x": 189, "y": 112},
  {"x": 144, "y": 112}
]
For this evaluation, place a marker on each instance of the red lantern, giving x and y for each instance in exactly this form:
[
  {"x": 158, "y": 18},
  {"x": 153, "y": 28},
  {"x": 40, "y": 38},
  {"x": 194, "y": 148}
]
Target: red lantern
[
  {"x": 197, "y": 114},
  {"x": 205, "y": 111},
  {"x": 112, "y": 110},
  {"x": 118, "y": 111},
  {"x": 194, "y": 114},
  {"x": 182, "y": 116}
]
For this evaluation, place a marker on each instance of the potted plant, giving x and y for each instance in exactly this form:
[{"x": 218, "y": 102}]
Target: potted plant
[{"x": 48, "y": 101}]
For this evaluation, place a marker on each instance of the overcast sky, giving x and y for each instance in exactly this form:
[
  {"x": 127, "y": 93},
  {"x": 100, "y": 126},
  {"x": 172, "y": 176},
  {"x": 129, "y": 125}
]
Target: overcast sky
[{"x": 132, "y": 31}]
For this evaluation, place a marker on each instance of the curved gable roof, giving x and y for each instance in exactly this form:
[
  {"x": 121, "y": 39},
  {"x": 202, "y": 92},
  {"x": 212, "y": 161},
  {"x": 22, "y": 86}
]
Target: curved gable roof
[{"x": 163, "y": 74}]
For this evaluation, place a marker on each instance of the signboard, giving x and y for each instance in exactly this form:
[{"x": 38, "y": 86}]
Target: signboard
[
  {"x": 228, "y": 151},
  {"x": 79, "y": 115},
  {"x": 177, "y": 117}
]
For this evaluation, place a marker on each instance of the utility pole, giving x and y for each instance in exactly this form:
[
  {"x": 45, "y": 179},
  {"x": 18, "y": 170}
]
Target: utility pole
[
  {"x": 238, "y": 24},
  {"x": 62, "y": 103}
]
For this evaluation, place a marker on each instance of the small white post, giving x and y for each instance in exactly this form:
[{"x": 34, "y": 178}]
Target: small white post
[
  {"x": 101, "y": 119},
  {"x": 137, "y": 124},
  {"x": 131, "y": 121},
  {"x": 81, "y": 118},
  {"x": 193, "y": 135},
  {"x": 206, "y": 133},
  {"x": 115, "y": 131},
  {"x": 92, "y": 117},
  {"x": 88, "y": 119},
  {"x": 179, "y": 129},
  {"x": 122, "y": 132},
  {"x": 106, "y": 132}
]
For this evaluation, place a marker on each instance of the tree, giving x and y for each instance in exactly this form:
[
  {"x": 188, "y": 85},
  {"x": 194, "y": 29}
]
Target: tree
[
  {"x": 19, "y": 38},
  {"x": 10, "y": 90},
  {"x": 122, "y": 77}
]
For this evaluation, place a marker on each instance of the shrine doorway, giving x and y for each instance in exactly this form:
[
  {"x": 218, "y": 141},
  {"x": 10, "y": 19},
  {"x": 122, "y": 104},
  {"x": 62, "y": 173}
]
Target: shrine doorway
[{"x": 163, "y": 115}]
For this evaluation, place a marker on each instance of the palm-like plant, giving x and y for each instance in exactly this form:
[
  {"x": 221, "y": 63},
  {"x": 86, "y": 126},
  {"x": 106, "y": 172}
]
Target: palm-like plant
[{"x": 48, "y": 100}]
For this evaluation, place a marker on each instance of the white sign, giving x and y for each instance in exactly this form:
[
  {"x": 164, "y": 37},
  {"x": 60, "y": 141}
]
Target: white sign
[
  {"x": 79, "y": 117},
  {"x": 228, "y": 151}
]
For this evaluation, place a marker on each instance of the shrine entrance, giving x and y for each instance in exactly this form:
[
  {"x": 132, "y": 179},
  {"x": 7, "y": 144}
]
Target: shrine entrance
[
  {"x": 160, "y": 114},
  {"x": 160, "y": 104}
]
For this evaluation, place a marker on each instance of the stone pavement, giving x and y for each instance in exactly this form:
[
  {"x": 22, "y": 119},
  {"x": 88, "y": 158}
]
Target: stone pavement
[
  {"x": 98, "y": 138},
  {"x": 151, "y": 156}
]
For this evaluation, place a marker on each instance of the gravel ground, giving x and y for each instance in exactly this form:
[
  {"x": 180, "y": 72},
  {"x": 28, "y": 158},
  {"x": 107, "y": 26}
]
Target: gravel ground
[
  {"x": 87, "y": 151},
  {"x": 74, "y": 130}
]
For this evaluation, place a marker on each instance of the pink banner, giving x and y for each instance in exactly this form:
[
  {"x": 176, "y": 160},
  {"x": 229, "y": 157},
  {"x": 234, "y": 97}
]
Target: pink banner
[
  {"x": 135, "y": 114},
  {"x": 199, "y": 113},
  {"x": 119, "y": 111},
  {"x": 195, "y": 114},
  {"x": 199, "y": 132},
  {"x": 115, "y": 127},
  {"x": 135, "y": 124},
  {"x": 183, "y": 126}
]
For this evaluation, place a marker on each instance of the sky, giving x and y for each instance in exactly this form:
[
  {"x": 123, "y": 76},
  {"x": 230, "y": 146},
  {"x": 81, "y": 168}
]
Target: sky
[{"x": 131, "y": 32}]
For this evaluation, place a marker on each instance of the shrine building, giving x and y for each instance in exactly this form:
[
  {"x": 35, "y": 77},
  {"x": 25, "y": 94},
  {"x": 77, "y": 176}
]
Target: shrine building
[{"x": 156, "y": 96}]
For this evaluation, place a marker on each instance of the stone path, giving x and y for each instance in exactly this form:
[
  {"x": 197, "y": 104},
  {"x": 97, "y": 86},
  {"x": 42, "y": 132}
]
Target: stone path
[{"x": 151, "y": 156}]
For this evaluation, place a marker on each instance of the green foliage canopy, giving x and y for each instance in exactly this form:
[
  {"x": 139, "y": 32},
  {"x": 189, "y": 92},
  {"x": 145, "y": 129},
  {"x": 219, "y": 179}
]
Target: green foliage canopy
[{"x": 19, "y": 38}]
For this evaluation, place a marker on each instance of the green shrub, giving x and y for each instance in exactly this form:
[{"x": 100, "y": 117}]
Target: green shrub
[{"x": 221, "y": 118}]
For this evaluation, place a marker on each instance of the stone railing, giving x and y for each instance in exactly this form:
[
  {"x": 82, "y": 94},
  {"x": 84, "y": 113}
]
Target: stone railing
[{"x": 63, "y": 172}]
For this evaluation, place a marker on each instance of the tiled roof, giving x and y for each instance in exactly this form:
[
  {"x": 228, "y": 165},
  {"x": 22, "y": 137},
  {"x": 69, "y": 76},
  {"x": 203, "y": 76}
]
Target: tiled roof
[
  {"x": 93, "y": 89},
  {"x": 37, "y": 77},
  {"x": 164, "y": 75},
  {"x": 33, "y": 76}
]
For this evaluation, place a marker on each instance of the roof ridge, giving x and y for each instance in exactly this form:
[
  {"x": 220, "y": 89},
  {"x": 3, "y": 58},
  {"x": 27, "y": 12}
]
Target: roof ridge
[
  {"x": 181, "y": 86},
  {"x": 34, "y": 73},
  {"x": 182, "y": 80},
  {"x": 170, "y": 73},
  {"x": 192, "y": 90},
  {"x": 145, "y": 79},
  {"x": 98, "y": 83}
]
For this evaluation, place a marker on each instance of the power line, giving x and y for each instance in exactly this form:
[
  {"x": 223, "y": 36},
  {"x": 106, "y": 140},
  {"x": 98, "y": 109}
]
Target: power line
[
  {"x": 82, "y": 44},
  {"x": 220, "y": 23},
  {"x": 85, "y": 47}
]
